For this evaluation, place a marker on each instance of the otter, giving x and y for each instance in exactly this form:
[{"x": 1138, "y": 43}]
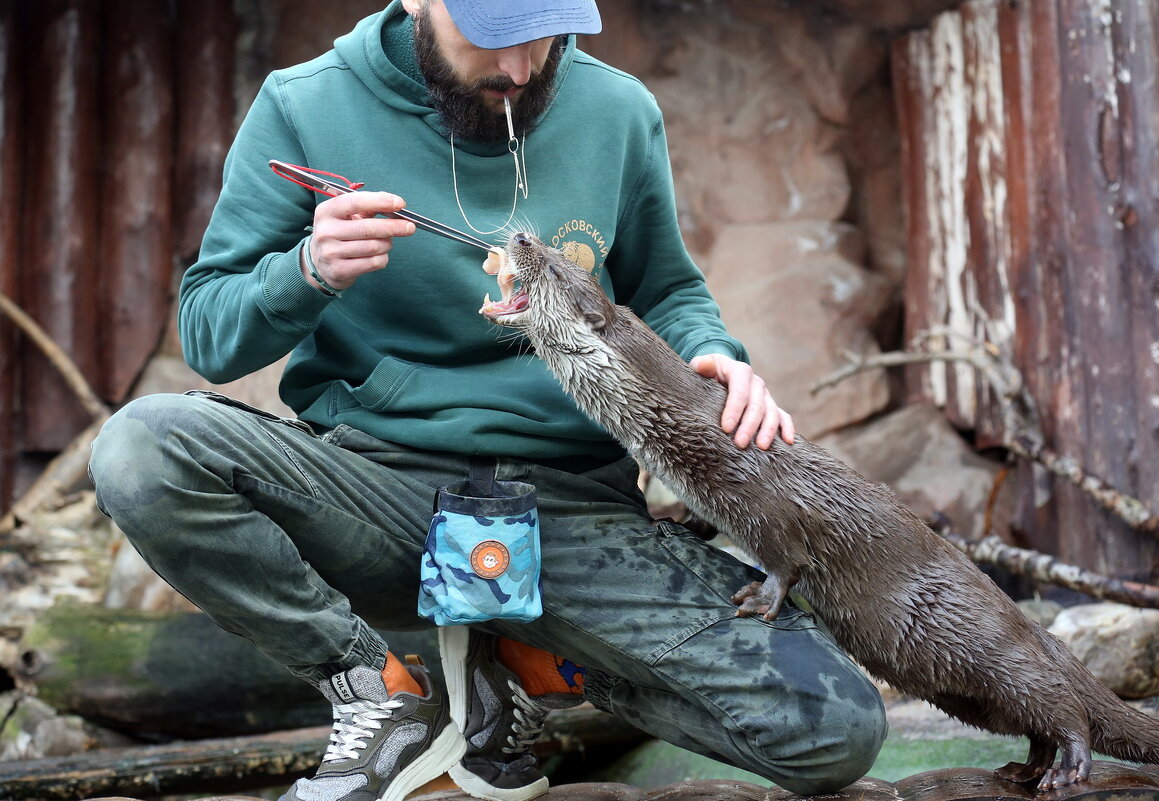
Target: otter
[{"x": 907, "y": 605}]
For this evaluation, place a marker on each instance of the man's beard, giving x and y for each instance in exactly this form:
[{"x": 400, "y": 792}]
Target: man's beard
[{"x": 463, "y": 108}]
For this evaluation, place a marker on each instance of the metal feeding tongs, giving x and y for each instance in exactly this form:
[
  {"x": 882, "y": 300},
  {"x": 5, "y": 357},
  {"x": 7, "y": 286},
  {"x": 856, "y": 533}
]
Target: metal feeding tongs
[{"x": 331, "y": 184}]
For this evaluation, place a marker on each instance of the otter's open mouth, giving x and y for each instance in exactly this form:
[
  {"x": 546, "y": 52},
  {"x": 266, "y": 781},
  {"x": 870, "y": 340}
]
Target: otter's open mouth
[{"x": 514, "y": 299}]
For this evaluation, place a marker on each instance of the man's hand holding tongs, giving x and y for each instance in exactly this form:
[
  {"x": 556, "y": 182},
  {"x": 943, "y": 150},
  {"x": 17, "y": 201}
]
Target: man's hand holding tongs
[{"x": 349, "y": 240}]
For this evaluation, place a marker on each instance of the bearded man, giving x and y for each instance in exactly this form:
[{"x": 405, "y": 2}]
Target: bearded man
[{"x": 306, "y": 535}]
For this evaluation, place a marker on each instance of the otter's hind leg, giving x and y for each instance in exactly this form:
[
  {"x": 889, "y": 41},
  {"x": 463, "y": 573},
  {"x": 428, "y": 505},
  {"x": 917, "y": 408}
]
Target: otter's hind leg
[
  {"x": 1074, "y": 767},
  {"x": 1071, "y": 739},
  {"x": 989, "y": 714},
  {"x": 1037, "y": 763}
]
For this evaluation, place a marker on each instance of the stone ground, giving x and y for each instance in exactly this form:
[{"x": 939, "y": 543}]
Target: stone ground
[
  {"x": 924, "y": 747},
  {"x": 912, "y": 767}
]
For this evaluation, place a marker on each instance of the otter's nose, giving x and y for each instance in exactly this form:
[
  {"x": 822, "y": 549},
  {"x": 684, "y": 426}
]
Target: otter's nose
[{"x": 521, "y": 239}]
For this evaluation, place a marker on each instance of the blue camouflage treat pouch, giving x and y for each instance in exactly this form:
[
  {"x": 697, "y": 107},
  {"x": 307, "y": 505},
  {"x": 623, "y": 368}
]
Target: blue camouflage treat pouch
[{"x": 482, "y": 559}]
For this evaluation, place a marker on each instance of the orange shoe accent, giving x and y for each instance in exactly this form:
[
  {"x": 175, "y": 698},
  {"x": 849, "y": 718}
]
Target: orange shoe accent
[
  {"x": 397, "y": 678},
  {"x": 540, "y": 672}
]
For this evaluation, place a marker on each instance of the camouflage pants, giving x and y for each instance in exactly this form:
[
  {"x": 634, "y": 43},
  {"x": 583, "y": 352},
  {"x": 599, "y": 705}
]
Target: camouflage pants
[{"x": 305, "y": 545}]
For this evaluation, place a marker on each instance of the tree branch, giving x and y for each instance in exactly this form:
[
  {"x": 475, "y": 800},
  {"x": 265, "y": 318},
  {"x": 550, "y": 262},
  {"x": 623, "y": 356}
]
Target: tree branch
[
  {"x": 1020, "y": 431},
  {"x": 1046, "y": 569},
  {"x": 1130, "y": 510},
  {"x": 60, "y": 360},
  {"x": 70, "y": 464}
]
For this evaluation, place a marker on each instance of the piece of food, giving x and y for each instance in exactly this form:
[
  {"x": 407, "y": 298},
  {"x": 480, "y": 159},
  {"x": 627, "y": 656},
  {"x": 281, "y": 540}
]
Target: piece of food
[
  {"x": 512, "y": 301},
  {"x": 495, "y": 261}
]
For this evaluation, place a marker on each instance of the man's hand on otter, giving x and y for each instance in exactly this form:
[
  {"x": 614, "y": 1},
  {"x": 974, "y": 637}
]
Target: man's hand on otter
[
  {"x": 349, "y": 240},
  {"x": 750, "y": 413}
]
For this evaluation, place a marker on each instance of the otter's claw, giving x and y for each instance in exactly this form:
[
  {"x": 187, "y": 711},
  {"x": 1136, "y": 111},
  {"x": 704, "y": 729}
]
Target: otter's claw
[
  {"x": 765, "y": 598},
  {"x": 752, "y": 600}
]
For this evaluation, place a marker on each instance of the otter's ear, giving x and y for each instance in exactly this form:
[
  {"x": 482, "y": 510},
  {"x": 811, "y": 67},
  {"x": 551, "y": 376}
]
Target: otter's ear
[{"x": 591, "y": 306}]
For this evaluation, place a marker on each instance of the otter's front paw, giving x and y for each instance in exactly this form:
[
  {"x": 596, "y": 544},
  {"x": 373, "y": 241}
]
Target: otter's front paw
[
  {"x": 752, "y": 599},
  {"x": 746, "y": 592}
]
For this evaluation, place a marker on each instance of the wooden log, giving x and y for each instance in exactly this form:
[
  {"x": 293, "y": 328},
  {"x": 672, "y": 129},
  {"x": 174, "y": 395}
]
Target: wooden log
[
  {"x": 585, "y": 728},
  {"x": 206, "y": 30},
  {"x": 1034, "y": 182},
  {"x": 11, "y": 192},
  {"x": 237, "y": 764},
  {"x": 225, "y": 764},
  {"x": 1101, "y": 332},
  {"x": 136, "y": 261},
  {"x": 161, "y": 675},
  {"x": 1109, "y": 781},
  {"x": 911, "y": 81},
  {"x": 61, "y": 244},
  {"x": 986, "y": 222},
  {"x": 1044, "y": 569}
]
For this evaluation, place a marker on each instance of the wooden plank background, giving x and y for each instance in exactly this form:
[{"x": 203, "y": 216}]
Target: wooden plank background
[
  {"x": 118, "y": 114},
  {"x": 1028, "y": 129},
  {"x": 1032, "y": 186},
  {"x": 11, "y": 188}
]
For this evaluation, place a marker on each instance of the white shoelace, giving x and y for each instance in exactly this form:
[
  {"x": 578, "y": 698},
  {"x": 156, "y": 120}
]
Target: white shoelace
[
  {"x": 354, "y": 723},
  {"x": 528, "y": 723}
]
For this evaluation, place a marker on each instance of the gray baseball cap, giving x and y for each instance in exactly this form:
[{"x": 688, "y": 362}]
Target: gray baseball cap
[{"x": 495, "y": 24}]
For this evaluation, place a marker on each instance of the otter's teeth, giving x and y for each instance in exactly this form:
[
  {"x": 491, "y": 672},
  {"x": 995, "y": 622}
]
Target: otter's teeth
[{"x": 506, "y": 282}]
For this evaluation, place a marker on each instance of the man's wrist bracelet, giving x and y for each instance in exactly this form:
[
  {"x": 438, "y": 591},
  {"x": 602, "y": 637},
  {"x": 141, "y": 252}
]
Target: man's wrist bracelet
[{"x": 324, "y": 287}]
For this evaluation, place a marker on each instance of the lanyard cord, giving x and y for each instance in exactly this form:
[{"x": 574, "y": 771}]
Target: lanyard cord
[{"x": 517, "y": 154}]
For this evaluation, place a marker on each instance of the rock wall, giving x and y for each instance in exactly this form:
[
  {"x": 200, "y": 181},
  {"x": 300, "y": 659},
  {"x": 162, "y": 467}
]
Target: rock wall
[
  {"x": 784, "y": 151},
  {"x": 786, "y": 158},
  {"x": 785, "y": 155}
]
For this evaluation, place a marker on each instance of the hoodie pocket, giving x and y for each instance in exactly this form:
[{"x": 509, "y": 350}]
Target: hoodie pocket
[{"x": 383, "y": 384}]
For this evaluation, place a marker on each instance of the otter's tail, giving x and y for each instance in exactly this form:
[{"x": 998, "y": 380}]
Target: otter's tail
[
  {"x": 1120, "y": 730},
  {"x": 1117, "y": 729}
]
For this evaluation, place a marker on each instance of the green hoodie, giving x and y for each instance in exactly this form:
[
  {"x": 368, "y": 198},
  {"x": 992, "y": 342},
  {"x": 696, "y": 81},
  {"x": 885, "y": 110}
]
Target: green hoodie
[{"x": 403, "y": 354}]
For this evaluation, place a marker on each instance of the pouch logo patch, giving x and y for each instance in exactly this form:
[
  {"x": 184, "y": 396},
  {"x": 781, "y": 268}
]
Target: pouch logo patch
[{"x": 490, "y": 559}]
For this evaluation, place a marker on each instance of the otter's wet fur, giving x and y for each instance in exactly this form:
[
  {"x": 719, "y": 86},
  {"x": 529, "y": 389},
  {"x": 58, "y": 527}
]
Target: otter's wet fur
[{"x": 908, "y": 606}]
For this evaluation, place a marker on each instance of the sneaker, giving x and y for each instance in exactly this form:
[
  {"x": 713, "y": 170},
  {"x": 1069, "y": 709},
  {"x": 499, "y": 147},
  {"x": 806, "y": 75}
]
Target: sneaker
[
  {"x": 383, "y": 746},
  {"x": 500, "y": 721}
]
